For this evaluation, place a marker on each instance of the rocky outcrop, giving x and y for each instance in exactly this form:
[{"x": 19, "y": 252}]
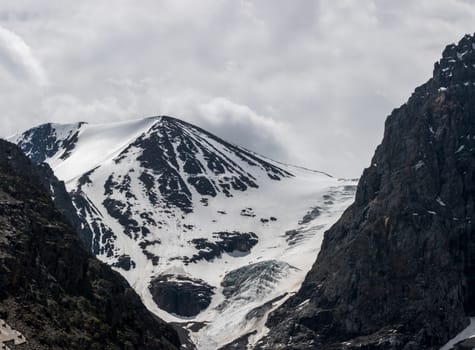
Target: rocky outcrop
[
  {"x": 397, "y": 271},
  {"x": 52, "y": 290},
  {"x": 253, "y": 281},
  {"x": 181, "y": 295},
  {"x": 234, "y": 243},
  {"x": 44, "y": 141},
  {"x": 63, "y": 203},
  {"x": 168, "y": 143}
]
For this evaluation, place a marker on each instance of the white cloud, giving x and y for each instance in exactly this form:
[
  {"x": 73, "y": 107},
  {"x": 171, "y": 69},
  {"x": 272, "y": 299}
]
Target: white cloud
[
  {"x": 240, "y": 124},
  {"x": 17, "y": 58},
  {"x": 303, "y": 81},
  {"x": 234, "y": 122},
  {"x": 68, "y": 108}
]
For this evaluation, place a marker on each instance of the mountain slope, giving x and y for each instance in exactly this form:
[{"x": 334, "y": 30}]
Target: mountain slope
[
  {"x": 52, "y": 289},
  {"x": 397, "y": 270},
  {"x": 209, "y": 234}
]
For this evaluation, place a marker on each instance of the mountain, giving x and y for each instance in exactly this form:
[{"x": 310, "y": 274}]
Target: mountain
[
  {"x": 52, "y": 290},
  {"x": 210, "y": 235},
  {"x": 397, "y": 271}
]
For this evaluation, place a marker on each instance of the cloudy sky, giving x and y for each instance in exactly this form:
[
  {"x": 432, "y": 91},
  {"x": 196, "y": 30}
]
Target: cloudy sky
[{"x": 308, "y": 82}]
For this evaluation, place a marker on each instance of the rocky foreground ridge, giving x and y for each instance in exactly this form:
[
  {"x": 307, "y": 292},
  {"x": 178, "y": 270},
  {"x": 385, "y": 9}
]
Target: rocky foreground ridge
[{"x": 52, "y": 290}]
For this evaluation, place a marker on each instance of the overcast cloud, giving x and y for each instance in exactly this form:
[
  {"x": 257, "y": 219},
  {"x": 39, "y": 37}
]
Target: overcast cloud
[{"x": 303, "y": 81}]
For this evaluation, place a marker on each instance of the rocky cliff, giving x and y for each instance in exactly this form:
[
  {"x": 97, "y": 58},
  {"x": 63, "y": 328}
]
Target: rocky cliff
[
  {"x": 52, "y": 289},
  {"x": 397, "y": 271},
  {"x": 62, "y": 201}
]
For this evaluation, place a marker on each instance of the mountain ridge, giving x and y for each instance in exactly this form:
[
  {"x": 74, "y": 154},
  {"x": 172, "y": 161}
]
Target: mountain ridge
[{"x": 180, "y": 213}]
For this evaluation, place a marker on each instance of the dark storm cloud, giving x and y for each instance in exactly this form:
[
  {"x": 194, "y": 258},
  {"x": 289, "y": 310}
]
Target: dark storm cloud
[{"x": 307, "y": 82}]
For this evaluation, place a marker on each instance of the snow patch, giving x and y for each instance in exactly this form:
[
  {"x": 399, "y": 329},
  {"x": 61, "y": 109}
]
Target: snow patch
[
  {"x": 419, "y": 165},
  {"x": 468, "y": 332},
  {"x": 8, "y": 334},
  {"x": 439, "y": 200}
]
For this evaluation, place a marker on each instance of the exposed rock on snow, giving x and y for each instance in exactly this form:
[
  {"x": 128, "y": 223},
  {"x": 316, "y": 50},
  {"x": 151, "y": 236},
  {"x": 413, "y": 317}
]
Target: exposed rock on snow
[
  {"x": 181, "y": 295},
  {"x": 234, "y": 243}
]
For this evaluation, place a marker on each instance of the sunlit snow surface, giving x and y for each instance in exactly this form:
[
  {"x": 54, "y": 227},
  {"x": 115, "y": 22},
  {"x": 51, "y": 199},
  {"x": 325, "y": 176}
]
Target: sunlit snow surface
[{"x": 287, "y": 246}]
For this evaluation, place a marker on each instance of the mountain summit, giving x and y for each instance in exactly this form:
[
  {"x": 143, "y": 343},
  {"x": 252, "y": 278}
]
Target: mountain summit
[
  {"x": 397, "y": 271},
  {"x": 209, "y": 234}
]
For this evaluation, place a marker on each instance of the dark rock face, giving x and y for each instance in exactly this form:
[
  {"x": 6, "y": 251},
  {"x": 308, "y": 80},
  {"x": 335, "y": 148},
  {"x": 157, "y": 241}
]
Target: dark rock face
[
  {"x": 466, "y": 344},
  {"x": 236, "y": 241},
  {"x": 124, "y": 262},
  {"x": 52, "y": 290},
  {"x": 397, "y": 271},
  {"x": 42, "y": 142},
  {"x": 103, "y": 237},
  {"x": 249, "y": 212},
  {"x": 254, "y": 280},
  {"x": 310, "y": 216},
  {"x": 171, "y": 140},
  {"x": 230, "y": 242},
  {"x": 181, "y": 295},
  {"x": 64, "y": 204},
  {"x": 121, "y": 211}
]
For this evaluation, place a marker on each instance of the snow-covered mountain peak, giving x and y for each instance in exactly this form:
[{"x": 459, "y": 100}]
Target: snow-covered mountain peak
[
  {"x": 208, "y": 233},
  {"x": 74, "y": 149},
  {"x": 47, "y": 140}
]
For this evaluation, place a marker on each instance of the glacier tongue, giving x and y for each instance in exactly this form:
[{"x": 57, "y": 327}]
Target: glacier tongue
[{"x": 180, "y": 212}]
